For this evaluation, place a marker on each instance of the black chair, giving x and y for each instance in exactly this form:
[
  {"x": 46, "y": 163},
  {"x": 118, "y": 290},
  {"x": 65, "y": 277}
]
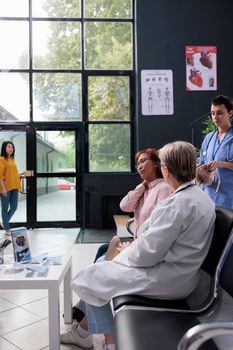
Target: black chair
[
  {"x": 139, "y": 319},
  {"x": 196, "y": 336},
  {"x": 211, "y": 266},
  {"x": 129, "y": 225}
]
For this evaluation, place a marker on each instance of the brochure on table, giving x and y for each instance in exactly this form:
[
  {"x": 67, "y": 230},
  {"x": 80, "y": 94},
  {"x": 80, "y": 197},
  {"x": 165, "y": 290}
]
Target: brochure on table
[{"x": 22, "y": 263}]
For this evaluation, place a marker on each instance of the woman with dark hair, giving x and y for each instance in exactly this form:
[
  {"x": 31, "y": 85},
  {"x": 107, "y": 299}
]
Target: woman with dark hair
[
  {"x": 10, "y": 184},
  {"x": 150, "y": 192},
  {"x": 216, "y": 154}
]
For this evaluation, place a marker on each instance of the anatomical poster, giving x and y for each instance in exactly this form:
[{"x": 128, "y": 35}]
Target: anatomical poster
[
  {"x": 201, "y": 68},
  {"x": 157, "y": 92}
]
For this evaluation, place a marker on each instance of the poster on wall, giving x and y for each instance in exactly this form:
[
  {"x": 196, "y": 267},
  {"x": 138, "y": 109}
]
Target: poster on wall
[
  {"x": 201, "y": 68},
  {"x": 157, "y": 92}
]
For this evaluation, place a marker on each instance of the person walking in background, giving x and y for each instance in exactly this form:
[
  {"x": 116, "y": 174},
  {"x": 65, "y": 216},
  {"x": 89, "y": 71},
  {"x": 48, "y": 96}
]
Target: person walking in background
[
  {"x": 217, "y": 154},
  {"x": 10, "y": 184}
]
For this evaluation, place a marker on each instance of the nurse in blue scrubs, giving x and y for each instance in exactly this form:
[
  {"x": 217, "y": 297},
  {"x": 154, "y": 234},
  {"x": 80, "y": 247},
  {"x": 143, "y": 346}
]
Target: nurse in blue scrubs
[{"x": 217, "y": 153}]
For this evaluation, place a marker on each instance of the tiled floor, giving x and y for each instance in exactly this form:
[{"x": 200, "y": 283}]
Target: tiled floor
[{"x": 24, "y": 313}]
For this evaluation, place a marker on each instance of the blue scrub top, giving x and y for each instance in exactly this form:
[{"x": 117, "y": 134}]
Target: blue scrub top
[{"x": 212, "y": 149}]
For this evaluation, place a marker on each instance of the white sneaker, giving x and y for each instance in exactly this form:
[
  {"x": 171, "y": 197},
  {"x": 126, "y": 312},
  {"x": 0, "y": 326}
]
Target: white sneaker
[{"x": 72, "y": 337}]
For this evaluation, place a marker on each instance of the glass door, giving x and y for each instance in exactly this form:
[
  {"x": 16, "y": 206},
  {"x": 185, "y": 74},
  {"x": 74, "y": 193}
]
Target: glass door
[
  {"x": 58, "y": 179},
  {"x": 48, "y": 160}
]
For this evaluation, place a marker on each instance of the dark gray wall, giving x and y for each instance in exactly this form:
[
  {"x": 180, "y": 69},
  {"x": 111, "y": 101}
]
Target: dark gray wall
[
  {"x": 103, "y": 193},
  {"x": 164, "y": 28}
]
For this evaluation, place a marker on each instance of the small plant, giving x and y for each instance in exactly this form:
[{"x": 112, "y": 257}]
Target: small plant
[{"x": 209, "y": 126}]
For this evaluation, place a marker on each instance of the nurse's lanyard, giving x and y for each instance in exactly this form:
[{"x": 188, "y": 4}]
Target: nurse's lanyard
[{"x": 214, "y": 152}]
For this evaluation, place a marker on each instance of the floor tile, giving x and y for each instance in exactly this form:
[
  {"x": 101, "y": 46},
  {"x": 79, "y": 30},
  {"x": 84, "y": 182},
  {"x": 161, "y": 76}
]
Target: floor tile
[
  {"x": 5, "y": 305},
  {"x": 13, "y": 319},
  {"x": 5, "y": 345},
  {"x": 40, "y": 307},
  {"x": 24, "y": 296},
  {"x": 25, "y": 337}
]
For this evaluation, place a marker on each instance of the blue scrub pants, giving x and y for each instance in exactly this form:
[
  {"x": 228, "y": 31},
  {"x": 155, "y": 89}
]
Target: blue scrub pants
[
  {"x": 99, "y": 318},
  {"x": 9, "y": 206}
]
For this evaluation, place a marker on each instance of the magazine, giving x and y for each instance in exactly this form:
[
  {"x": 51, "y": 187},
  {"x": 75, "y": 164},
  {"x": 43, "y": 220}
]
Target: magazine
[{"x": 20, "y": 244}]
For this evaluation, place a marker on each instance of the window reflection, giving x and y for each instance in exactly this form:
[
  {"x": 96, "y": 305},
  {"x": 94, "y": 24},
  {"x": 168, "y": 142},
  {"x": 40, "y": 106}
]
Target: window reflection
[
  {"x": 55, "y": 151},
  {"x": 55, "y": 201},
  {"x": 14, "y": 44},
  {"x": 109, "y": 153},
  {"x": 108, "y": 45},
  {"x": 57, "y": 97},
  {"x": 56, "y": 8},
  {"x": 56, "y": 45},
  {"x": 14, "y": 8},
  {"x": 14, "y": 96},
  {"x": 104, "y": 9},
  {"x": 112, "y": 92}
]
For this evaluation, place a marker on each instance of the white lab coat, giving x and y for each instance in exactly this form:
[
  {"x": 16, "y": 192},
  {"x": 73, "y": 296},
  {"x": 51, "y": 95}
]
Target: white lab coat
[{"x": 164, "y": 261}]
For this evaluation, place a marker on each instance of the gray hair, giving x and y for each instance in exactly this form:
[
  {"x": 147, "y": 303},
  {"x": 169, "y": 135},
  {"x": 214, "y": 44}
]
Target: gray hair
[{"x": 180, "y": 158}]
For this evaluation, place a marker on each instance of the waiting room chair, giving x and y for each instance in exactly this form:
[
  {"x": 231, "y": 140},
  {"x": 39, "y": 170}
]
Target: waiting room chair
[
  {"x": 196, "y": 336},
  {"x": 210, "y": 269},
  {"x": 129, "y": 226},
  {"x": 143, "y": 323}
]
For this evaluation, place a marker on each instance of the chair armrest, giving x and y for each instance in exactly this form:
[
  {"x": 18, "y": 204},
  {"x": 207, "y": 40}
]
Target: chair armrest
[
  {"x": 197, "y": 335},
  {"x": 144, "y": 303},
  {"x": 128, "y": 225}
]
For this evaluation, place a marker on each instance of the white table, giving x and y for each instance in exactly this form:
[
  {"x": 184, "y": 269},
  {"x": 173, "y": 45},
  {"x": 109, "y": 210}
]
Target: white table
[{"x": 56, "y": 274}]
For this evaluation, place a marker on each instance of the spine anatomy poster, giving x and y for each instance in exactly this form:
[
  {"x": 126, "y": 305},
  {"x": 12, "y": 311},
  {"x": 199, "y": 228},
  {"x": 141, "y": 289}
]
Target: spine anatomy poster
[
  {"x": 157, "y": 92},
  {"x": 201, "y": 68}
]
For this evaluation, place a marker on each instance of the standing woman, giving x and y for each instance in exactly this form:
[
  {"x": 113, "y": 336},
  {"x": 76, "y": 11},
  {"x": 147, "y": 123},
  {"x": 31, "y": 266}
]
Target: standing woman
[
  {"x": 150, "y": 192},
  {"x": 217, "y": 153},
  {"x": 10, "y": 184}
]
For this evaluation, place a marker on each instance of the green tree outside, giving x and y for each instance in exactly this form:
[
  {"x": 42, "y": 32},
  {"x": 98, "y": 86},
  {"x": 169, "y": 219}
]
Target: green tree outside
[{"x": 107, "y": 45}]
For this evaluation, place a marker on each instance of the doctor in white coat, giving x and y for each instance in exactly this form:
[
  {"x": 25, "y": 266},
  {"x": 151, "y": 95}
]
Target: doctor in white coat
[{"x": 163, "y": 262}]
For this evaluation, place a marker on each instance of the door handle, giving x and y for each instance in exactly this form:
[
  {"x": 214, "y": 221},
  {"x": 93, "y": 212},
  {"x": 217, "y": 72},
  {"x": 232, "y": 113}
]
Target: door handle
[
  {"x": 23, "y": 176},
  {"x": 28, "y": 173}
]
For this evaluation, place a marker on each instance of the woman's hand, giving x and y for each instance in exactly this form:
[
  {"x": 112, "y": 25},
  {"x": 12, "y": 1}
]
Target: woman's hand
[
  {"x": 4, "y": 192},
  {"x": 145, "y": 184},
  {"x": 122, "y": 246},
  {"x": 214, "y": 164}
]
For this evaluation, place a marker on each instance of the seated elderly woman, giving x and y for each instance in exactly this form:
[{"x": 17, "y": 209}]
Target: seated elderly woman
[{"x": 164, "y": 261}]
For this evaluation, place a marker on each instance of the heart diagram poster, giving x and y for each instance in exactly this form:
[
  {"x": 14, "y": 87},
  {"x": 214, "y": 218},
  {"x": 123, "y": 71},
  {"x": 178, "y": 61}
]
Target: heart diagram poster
[
  {"x": 157, "y": 92},
  {"x": 201, "y": 68}
]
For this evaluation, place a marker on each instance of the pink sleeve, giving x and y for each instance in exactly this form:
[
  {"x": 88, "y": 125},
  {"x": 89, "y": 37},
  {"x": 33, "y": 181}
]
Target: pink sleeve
[
  {"x": 163, "y": 193},
  {"x": 130, "y": 201}
]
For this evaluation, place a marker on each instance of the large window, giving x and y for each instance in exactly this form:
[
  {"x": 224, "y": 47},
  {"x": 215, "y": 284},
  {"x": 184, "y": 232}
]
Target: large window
[{"x": 71, "y": 61}]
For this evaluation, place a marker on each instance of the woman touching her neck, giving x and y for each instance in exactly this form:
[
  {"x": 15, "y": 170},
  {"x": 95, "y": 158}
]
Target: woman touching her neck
[{"x": 150, "y": 192}]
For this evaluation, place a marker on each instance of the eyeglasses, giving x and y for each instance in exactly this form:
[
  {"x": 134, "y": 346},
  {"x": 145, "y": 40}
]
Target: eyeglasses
[{"x": 141, "y": 161}]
